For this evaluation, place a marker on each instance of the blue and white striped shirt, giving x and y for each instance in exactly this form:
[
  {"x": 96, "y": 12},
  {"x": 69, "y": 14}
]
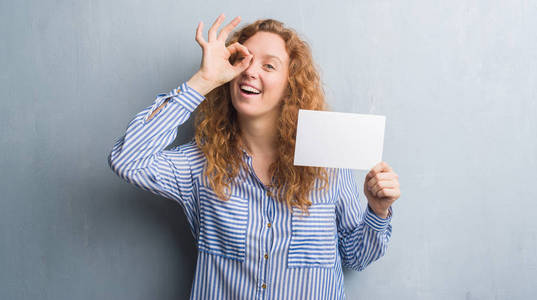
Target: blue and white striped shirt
[{"x": 252, "y": 246}]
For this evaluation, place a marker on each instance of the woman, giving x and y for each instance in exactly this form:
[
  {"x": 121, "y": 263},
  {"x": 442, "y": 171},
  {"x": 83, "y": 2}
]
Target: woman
[{"x": 263, "y": 227}]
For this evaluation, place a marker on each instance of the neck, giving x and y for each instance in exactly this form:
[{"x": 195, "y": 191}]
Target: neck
[{"x": 259, "y": 135}]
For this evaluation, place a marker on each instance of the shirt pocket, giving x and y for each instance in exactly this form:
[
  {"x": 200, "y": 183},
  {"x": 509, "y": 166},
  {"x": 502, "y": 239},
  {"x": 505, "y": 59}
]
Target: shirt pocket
[
  {"x": 314, "y": 237},
  {"x": 223, "y": 225}
]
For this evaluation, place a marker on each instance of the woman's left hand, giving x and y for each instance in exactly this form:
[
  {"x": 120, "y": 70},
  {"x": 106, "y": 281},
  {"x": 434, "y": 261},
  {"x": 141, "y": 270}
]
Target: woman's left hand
[{"x": 381, "y": 187}]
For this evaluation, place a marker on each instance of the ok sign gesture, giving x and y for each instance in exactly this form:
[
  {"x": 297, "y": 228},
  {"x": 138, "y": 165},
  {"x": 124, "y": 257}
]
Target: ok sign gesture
[{"x": 215, "y": 65}]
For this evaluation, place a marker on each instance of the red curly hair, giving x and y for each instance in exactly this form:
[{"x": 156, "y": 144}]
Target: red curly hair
[{"x": 218, "y": 135}]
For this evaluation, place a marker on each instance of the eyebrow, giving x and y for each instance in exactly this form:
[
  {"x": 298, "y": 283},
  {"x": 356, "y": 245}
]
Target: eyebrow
[{"x": 273, "y": 56}]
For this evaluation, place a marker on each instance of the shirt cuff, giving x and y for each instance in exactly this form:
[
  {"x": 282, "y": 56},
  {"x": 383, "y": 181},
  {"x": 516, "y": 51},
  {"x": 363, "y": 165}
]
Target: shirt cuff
[
  {"x": 189, "y": 98},
  {"x": 375, "y": 222}
]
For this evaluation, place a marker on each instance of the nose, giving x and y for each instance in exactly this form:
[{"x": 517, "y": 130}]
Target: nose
[{"x": 251, "y": 70}]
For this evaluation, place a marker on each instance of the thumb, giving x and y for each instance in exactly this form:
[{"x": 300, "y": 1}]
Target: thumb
[{"x": 245, "y": 63}]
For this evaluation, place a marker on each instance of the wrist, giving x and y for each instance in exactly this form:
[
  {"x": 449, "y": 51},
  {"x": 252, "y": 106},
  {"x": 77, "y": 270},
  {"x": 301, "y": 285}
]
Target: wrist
[
  {"x": 200, "y": 84},
  {"x": 381, "y": 213}
]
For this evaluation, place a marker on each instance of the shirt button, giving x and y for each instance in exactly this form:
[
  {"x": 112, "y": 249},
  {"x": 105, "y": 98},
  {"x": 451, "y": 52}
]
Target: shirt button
[
  {"x": 266, "y": 256},
  {"x": 264, "y": 286},
  {"x": 268, "y": 225}
]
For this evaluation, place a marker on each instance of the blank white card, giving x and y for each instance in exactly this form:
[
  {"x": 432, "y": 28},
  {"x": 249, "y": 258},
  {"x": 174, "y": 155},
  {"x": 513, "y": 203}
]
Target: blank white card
[{"x": 339, "y": 140}]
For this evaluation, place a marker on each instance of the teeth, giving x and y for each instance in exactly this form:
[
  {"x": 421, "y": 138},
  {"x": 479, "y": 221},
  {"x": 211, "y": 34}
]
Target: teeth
[{"x": 249, "y": 89}]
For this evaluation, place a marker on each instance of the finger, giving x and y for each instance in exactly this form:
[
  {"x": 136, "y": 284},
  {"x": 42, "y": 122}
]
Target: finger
[
  {"x": 383, "y": 184},
  {"x": 380, "y": 167},
  {"x": 199, "y": 35},
  {"x": 238, "y": 48},
  {"x": 387, "y": 193},
  {"x": 214, "y": 28},
  {"x": 242, "y": 55},
  {"x": 386, "y": 167},
  {"x": 390, "y": 176},
  {"x": 374, "y": 170},
  {"x": 226, "y": 30},
  {"x": 244, "y": 63}
]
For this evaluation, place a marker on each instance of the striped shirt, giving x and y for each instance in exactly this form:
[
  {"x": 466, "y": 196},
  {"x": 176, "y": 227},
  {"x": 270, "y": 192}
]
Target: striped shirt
[{"x": 252, "y": 246}]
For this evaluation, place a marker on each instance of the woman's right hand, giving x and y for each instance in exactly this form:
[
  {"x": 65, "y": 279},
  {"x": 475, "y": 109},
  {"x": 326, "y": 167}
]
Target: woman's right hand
[{"x": 215, "y": 66}]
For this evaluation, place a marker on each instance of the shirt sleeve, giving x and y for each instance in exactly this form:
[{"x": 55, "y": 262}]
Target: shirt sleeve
[
  {"x": 362, "y": 236},
  {"x": 139, "y": 156}
]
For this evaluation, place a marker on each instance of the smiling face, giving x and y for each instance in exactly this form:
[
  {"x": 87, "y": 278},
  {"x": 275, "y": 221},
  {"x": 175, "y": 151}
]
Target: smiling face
[{"x": 267, "y": 74}]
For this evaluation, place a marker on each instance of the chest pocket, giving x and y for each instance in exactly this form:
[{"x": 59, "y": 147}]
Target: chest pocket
[
  {"x": 314, "y": 237},
  {"x": 223, "y": 225}
]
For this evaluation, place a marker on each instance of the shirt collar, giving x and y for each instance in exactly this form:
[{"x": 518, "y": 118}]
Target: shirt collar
[{"x": 245, "y": 152}]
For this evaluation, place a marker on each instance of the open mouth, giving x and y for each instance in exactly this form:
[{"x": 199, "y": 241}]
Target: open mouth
[
  {"x": 247, "y": 91},
  {"x": 248, "y": 94}
]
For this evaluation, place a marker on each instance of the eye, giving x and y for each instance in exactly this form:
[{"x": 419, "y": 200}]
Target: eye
[{"x": 270, "y": 66}]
